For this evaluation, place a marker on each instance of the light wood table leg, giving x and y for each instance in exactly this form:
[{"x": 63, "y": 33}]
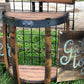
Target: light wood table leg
[{"x": 5, "y": 46}]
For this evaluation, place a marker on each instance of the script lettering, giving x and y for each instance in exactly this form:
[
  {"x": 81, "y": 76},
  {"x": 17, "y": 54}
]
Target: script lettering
[
  {"x": 73, "y": 52},
  {"x": 8, "y": 47}
]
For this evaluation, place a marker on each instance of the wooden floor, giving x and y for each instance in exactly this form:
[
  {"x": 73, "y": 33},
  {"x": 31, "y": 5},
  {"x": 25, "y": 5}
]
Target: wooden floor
[{"x": 34, "y": 74}]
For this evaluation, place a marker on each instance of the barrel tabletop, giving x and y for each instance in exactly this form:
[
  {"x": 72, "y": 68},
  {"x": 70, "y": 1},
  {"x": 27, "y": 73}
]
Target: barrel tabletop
[
  {"x": 34, "y": 19},
  {"x": 34, "y": 16}
]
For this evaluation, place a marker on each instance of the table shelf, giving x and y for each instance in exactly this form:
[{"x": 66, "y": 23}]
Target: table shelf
[{"x": 34, "y": 74}]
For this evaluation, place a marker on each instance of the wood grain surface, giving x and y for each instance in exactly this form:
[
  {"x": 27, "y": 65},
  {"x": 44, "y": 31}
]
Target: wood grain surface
[
  {"x": 5, "y": 50},
  {"x": 48, "y": 55},
  {"x": 35, "y": 16},
  {"x": 58, "y": 1},
  {"x": 13, "y": 45},
  {"x": 68, "y": 72},
  {"x": 34, "y": 74}
]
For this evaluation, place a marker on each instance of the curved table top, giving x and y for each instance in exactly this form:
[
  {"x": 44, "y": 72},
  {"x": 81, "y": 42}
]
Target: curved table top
[{"x": 35, "y": 19}]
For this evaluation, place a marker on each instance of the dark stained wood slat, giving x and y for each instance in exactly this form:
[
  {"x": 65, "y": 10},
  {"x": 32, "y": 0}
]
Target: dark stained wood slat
[
  {"x": 13, "y": 45},
  {"x": 34, "y": 16},
  {"x": 67, "y": 72},
  {"x": 58, "y": 1},
  {"x": 34, "y": 74}
]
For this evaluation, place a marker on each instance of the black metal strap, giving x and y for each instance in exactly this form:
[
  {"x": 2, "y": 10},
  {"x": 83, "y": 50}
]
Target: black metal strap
[{"x": 35, "y": 23}]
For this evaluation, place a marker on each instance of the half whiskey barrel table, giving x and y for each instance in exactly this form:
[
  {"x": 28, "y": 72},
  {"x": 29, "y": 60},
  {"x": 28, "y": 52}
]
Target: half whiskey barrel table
[{"x": 31, "y": 74}]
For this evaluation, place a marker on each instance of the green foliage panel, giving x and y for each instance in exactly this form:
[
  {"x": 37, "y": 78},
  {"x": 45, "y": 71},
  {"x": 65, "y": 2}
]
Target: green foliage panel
[{"x": 31, "y": 46}]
